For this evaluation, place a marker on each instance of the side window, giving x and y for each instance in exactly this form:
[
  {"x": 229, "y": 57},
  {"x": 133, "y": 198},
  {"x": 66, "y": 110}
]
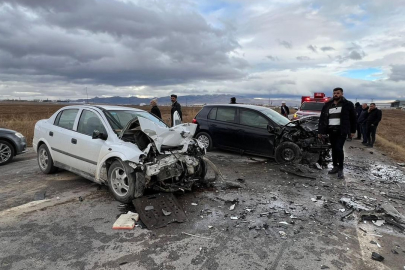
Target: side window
[
  {"x": 226, "y": 114},
  {"x": 213, "y": 114},
  {"x": 66, "y": 118},
  {"x": 253, "y": 119},
  {"x": 89, "y": 121}
]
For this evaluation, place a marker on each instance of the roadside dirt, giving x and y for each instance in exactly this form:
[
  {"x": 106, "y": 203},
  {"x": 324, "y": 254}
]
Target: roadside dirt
[{"x": 279, "y": 223}]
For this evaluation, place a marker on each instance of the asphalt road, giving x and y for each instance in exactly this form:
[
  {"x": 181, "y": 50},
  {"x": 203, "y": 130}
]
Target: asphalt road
[{"x": 63, "y": 232}]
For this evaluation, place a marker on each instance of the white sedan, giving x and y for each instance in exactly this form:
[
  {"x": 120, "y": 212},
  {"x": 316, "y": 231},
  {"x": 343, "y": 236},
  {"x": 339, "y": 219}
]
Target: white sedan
[{"x": 128, "y": 149}]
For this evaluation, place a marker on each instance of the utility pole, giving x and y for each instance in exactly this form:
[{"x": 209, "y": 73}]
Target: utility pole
[{"x": 87, "y": 101}]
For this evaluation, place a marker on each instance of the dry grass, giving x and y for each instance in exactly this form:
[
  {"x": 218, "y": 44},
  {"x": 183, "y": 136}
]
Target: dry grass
[
  {"x": 22, "y": 116},
  {"x": 390, "y": 134}
]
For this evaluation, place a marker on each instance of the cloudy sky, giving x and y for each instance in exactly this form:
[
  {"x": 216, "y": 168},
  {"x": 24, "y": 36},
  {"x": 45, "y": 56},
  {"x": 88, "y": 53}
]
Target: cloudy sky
[{"x": 284, "y": 48}]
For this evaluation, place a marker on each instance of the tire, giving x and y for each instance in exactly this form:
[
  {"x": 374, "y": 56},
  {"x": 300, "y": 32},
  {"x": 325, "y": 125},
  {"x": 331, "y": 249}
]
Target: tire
[
  {"x": 6, "y": 152},
  {"x": 205, "y": 139},
  {"x": 121, "y": 183},
  {"x": 288, "y": 152},
  {"x": 45, "y": 161}
]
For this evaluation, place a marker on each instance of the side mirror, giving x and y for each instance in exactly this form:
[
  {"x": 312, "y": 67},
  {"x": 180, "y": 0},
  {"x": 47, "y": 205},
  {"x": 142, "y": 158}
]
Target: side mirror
[
  {"x": 98, "y": 135},
  {"x": 270, "y": 129}
]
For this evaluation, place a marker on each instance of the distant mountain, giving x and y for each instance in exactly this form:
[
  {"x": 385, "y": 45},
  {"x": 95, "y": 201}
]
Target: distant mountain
[{"x": 191, "y": 100}]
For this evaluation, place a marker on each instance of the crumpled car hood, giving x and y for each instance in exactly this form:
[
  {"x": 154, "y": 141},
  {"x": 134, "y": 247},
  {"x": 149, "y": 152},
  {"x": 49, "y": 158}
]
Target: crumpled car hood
[
  {"x": 179, "y": 135},
  {"x": 309, "y": 123}
]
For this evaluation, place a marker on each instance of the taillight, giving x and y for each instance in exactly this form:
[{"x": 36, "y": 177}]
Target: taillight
[{"x": 194, "y": 121}]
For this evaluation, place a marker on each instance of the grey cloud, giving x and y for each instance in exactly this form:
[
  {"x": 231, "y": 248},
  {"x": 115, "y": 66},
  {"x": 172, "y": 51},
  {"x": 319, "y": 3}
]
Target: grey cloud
[
  {"x": 283, "y": 82},
  {"x": 113, "y": 43},
  {"x": 397, "y": 73},
  {"x": 303, "y": 58},
  {"x": 312, "y": 48},
  {"x": 355, "y": 55},
  {"x": 285, "y": 44},
  {"x": 327, "y": 48},
  {"x": 272, "y": 58}
]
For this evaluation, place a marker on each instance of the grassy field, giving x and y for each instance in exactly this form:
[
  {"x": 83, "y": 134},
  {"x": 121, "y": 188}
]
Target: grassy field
[{"x": 23, "y": 116}]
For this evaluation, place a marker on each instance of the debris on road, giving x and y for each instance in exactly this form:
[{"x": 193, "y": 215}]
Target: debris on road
[
  {"x": 355, "y": 205},
  {"x": 234, "y": 218},
  {"x": 377, "y": 257},
  {"x": 297, "y": 170},
  {"x": 232, "y": 207},
  {"x": 193, "y": 235},
  {"x": 159, "y": 206},
  {"x": 126, "y": 221},
  {"x": 40, "y": 195}
]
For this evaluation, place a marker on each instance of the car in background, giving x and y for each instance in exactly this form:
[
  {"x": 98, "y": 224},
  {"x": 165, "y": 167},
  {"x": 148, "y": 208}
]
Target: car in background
[
  {"x": 125, "y": 148},
  {"x": 12, "y": 143},
  {"x": 260, "y": 131}
]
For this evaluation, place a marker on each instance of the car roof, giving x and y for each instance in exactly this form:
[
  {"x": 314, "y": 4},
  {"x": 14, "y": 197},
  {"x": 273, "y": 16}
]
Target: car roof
[
  {"x": 254, "y": 107},
  {"x": 105, "y": 107}
]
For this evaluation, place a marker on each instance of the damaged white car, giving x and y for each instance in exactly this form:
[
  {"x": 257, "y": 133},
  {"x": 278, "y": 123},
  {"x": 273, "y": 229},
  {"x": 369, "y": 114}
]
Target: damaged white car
[{"x": 128, "y": 149}]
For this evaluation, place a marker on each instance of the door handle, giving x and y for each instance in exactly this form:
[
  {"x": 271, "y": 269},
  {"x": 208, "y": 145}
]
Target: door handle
[
  {"x": 50, "y": 133},
  {"x": 74, "y": 141}
]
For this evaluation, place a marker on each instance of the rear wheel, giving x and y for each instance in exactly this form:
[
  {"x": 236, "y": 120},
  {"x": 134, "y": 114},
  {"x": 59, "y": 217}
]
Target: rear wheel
[
  {"x": 205, "y": 139},
  {"x": 121, "y": 183},
  {"x": 288, "y": 152},
  {"x": 45, "y": 160},
  {"x": 6, "y": 152}
]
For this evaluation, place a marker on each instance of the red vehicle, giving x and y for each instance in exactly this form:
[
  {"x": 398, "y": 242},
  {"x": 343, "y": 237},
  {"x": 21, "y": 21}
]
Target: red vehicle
[{"x": 311, "y": 105}]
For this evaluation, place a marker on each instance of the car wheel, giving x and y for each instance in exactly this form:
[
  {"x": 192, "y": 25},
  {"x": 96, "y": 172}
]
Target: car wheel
[
  {"x": 288, "y": 152},
  {"x": 121, "y": 183},
  {"x": 45, "y": 160},
  {"x": 205, "y": 139},
  {"x": 6, "y": 152}
]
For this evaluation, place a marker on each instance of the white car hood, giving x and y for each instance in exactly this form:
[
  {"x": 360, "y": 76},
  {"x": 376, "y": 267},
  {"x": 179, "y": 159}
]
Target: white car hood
[{"x": 174, "y": 136}]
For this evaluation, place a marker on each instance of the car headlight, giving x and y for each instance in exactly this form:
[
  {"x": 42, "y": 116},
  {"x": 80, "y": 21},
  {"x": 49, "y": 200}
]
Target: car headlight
[
  {"x": 295, "y": 115},
  {"x": 19, "y": 135}
]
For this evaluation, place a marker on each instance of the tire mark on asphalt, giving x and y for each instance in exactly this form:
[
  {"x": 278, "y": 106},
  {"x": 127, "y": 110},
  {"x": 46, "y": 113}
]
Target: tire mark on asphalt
[{"x": 279, "y": 255}]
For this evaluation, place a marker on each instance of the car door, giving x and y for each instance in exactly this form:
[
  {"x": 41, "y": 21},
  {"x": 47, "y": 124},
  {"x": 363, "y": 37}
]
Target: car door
[
  {"x": 60, "y": 137},
  {"x": 256, "y": 138},
  {"x": 83, "y": 147},
  {"x": 224, "y": 128}
]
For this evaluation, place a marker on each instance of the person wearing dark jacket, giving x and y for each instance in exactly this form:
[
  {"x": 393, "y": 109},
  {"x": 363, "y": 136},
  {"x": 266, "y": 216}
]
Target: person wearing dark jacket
[
  {"x": 175, "y": 107},
  {"x": 338, "y": 120},
  {"x": 155, "y": 110},
  {"x": 233, "y": 100},
  {"x": 358, "y": 110},
  {"x": 284, "y": 109},
  {"x": 373, "y": 119},
  {"x": 361, "y": 121}
]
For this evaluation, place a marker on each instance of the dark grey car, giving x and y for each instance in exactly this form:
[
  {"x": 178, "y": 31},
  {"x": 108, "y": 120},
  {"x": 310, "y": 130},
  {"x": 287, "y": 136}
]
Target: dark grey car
[{"x": 12, "y": 143}]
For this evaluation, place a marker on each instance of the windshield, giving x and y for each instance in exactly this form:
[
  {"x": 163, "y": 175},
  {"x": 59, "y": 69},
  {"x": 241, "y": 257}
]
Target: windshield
[
  {"x": 276, "y": 117},
  {"x": 119, "y": 119},
  {"x": 312, "y": 106}
]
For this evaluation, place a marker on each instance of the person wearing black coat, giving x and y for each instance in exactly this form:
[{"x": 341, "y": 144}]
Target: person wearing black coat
[
  {"x": 358, "y": 110},
  {"x": 373, "y": 119},
  {"x": 284, "y": 109},
  {"x": 338, "y": 120},
  {"x": 175, "y": 107},
  {"x": 361, "y": 121},
  {"x": 155, "y": 109}
]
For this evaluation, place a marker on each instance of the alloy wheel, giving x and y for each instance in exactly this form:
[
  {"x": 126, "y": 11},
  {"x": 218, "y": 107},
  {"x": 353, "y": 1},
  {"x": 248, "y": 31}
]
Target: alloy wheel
[
  {"x": 119, "y": 181},
  {"x": 204, "y": 140},
  {"x": 5, "y": 153}
]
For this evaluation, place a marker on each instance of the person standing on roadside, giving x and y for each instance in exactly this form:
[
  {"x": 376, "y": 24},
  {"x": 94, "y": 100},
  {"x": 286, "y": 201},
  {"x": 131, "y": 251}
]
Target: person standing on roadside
[
  {"x": 338, "y": 120},
  {"x": 358, "y": 110},
  {"x": 155, "y": 110},
  {"x": 373, "y": 119},
  {"x": 176, "y": 107},
  {"x": 361, "y": 122},
  {"x": 285, "y": 111},
  {"x": 233, "y": 100}
]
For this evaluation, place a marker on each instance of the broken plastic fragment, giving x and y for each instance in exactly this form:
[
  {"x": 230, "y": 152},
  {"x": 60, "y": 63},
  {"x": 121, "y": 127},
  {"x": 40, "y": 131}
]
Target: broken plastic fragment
[
  {"x": 342, "y": 209},
  {"x": 378, "y": 222},
  {"x": 232, "y": 207},
  {"x": 166, "y": 213},
  {"x": 313, "y": 199},
  {"x": 234, "y": 218},
  {"x": 283, "y": 222},
  {"x": 194, "y": 204},
  {"x": 282, "y": 233},
  {"x": 149, "y": 207},
  {"x": 377, "y": 257},
  {"x": 210, "y": 227}
]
